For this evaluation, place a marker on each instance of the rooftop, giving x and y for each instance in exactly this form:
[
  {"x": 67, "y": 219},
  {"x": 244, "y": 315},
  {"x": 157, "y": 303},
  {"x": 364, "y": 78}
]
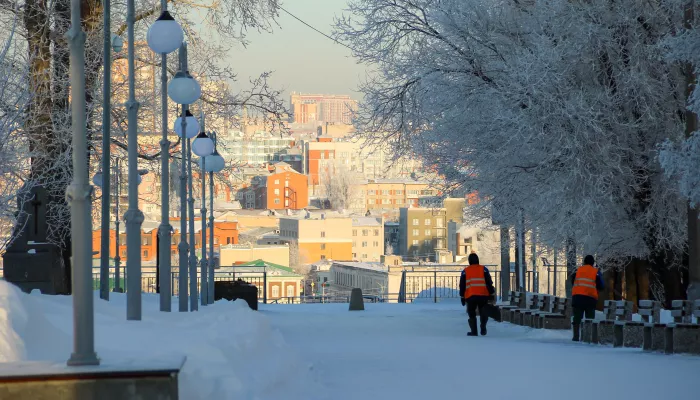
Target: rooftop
[
  {"x": 366, "y": 221},
  {"x": 371, "y": 266}
]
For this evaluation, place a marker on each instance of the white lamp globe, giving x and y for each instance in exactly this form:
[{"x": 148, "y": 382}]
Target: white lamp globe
[
  {"x": 203, "y": 145},
  {"x": 165, "y": 35},
  {"x": 184, "y": 89},
  {"x": 191, "y": 128},
  {"x": 117, "y": 43},
  {"x": 97, "y": 179},
  {"x": 215, "y": 163}
]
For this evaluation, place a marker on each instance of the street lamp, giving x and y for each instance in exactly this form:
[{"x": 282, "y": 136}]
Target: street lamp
[
  {"x": 133, "y": 216},
  {"x": 192, "y": 129},
  {"x": 163, "y": 37},
  {"x": 215, "y": 163},
  {"x": 203, "y": 146},
  {"x": 183, "y": 88},
  {"x": 177, "y": 92},
  {"x": 112, "y": 42},
  {"x": 78, "y": 196}
]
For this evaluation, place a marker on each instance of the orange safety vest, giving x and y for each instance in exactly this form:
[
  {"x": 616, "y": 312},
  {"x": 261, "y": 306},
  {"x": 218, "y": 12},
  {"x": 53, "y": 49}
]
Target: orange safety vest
[
  {"x": 476, "y": 283},
  {"x": 585, "y": 283}
]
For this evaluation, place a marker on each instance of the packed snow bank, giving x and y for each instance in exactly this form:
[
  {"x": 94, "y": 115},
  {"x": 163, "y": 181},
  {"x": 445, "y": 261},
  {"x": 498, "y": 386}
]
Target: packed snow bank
[{"x": 232, "y": 352}]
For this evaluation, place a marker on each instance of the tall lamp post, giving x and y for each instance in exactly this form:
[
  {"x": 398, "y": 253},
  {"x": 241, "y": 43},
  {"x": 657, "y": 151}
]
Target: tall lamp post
[
  {"x": 78, "y": 196},
  {"x": 183, "y": 89},
  {"x": 111, "y": 42},
  {"x": 215, "y": 163},
  {"x": 203, "y": 146},
  {"x": 164, "y": 37}
]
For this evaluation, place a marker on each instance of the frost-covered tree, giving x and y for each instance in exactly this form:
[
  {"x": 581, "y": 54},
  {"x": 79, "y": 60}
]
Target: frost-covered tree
[
  {"x": 554, "y": 108},
  {"x": 339, "y": 184}
]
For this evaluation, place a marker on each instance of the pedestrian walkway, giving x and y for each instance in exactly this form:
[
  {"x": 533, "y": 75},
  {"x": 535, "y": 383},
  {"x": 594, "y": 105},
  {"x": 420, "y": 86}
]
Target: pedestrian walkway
[{"x": 421, "y": 351}]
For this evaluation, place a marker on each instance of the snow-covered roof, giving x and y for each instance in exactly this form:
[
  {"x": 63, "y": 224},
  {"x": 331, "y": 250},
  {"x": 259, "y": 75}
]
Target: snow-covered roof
[
  {"x": 372, "y": 266},
  {"x": 366, "y": 221}
]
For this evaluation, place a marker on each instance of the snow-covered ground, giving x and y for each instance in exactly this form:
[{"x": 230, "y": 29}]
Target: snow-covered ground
[{"x": 323, "y": 351}]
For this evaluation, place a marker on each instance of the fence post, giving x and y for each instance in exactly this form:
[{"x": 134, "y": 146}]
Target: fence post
[
  {"x": 402, "y": 288},
  {"x": 264, "y": 285},
  {"x": 435, "y": 286}
]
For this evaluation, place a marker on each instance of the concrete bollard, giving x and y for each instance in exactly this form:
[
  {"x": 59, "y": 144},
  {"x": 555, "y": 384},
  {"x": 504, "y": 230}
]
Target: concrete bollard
[
  {"x": 356, "y": 301},
  {"x": 668, "y": 339},
  {"x": 618, "y": 330}
]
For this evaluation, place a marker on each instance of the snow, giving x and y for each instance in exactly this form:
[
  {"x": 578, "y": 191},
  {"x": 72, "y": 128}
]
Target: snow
[
  {"x": 232, "y": 352},
  {"x": 324, "y": 351}
]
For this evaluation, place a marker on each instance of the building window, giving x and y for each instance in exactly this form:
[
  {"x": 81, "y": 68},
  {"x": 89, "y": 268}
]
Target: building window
[
  {"x": 354, "y": 232},
  {"x": 428, "y": 232},
  {"x": 399, "y": 201},
  {"x": 323, "y": 257},
  {"x": 376, "y": 244},
  {"x": 354, "y": 255},
  {"x": 399, "y": 192},
  {"x": 365, "y": 232},
  {"x": 277, "y": 191},
  {"x": 376, "y": 232},
  {"x": 371, "y": 192},
  {"x": 416, "y": 222},
  {"x": 290, "y": 291},
  {"x": 277, "y": 201},
  {"x": 364, "y": 244},
  {"x": 323, "y": 246},
  {"x": 275, "y": 291},
  {"x": 277, "y": 181},
  {"x": 385, "y": 192},
  {"x": 427, "y": 221},
  {"x": 415, "y": 243},
  {"x": 145, "y": 253},
  {"x": 364, "y": 256},
  {"x": 323, "y": 234},
  {"x": 480, "y": 237},
  {"x": 426, "y": 242},
  {"x": 438, "y": 222},
  {"x": 416, "y": 232}
]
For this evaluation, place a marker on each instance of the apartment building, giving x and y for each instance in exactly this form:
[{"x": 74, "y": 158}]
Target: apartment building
[
  {"x": 225, "y": 232},
  {"x": 393, "y": 193},
  {"x": 367, "y": 239},
  {"x": 422, "y": 232},
  {"x": 283, "y": 189},
  {"x": 258, "y": 148},
  {"x": 322, "y": 108},
  {"x": 317, "y": 238}
]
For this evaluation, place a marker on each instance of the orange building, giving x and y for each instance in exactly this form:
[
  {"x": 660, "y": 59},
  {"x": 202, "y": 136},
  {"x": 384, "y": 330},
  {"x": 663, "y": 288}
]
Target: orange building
[
  {"x": 316, "y": 239},
  {"x": 283, "y": 189},
  {"x": 225, "y": 232}
]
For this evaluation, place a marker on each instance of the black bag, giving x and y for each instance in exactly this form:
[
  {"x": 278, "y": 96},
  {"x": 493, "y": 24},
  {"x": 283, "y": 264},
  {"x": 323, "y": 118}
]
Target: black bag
[{"x": 493, "y": 311}]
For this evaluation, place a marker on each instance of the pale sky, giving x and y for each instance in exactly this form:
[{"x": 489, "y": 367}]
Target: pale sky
[{"x": 302, "y": 59}]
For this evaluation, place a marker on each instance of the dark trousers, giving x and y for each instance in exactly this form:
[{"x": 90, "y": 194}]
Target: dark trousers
[
  {"x": 580, "y": 311},
  {"x": 473, "y": 305}
]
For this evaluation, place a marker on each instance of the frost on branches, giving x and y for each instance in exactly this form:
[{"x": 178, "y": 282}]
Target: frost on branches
[{"x": 556, "y": 108}]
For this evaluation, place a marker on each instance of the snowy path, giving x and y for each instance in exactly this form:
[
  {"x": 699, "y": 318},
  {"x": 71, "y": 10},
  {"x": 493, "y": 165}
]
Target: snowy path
[{"x": 421, "y": 351}]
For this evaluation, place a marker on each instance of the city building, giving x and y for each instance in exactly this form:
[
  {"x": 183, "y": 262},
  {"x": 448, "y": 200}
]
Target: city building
[
  {"x": 282, "y": 282},
  {"x": 238, "y": 253},
  {"x": 391, "y": 238},
  {"x": 422, "y": 232},
  {"x": 225, "y": 232},
  {"x": 315, "y": 238},
  {"x": 395, "y": 193},
  {"x": 464, "y": 240},
  {"x": 367, "y": 239},
  {"x": 283, "y": 189},
  {"x": 371, "y": 277},
  {"x": 309, "y": 108},
  {"x": 253, "y": 149}
]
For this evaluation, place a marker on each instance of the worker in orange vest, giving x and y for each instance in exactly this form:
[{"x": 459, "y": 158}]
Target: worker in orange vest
[
  {"x": 586, "y": 283},
  {"x": 476, "y": 290}
]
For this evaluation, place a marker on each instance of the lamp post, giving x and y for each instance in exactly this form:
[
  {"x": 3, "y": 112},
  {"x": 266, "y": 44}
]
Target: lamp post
[
  {"x": 184, "y": 90},
  {"x": 203, "y": 147},
  {"x": 215, "y": 163},
  {"x": 164, "y": 36},
  {"x": 133, "y": 216},
  {"x": 111, "y": 42},
  {"x": 78, "y": 196}
]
